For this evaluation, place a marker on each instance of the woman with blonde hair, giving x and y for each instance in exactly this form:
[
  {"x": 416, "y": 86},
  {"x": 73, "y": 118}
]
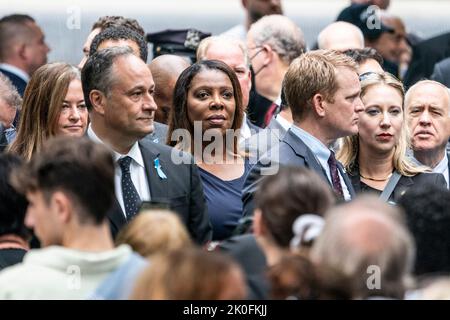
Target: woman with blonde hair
[
  {"x": 376, "y": 158},
  {"x": 191, "y": 274},
  {"x": 153, "y": 232},
  {"x": 53, "y": 104}
]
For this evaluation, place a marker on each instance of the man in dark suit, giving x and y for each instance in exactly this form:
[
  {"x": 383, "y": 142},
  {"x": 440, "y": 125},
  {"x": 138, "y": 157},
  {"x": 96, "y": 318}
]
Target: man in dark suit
[
  {"x": 165, "y": 71},
  {"x": 322, "y": 89},
  {"x": 118, "y": 89},
  {"x": 22, "y": 49},
  {"x": 427, "y": 107}
]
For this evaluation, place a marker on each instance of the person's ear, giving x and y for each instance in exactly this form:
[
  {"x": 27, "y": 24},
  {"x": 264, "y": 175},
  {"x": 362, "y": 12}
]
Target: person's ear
[
  {"x": 269, "y": 54},
  {"x": 98, "y": 101},
  {"x": 62, "y": 205},
  {"x": 319, "y": 105},
  {"x": 244, "y": 3},
  {"x": 22, "y": 51}
]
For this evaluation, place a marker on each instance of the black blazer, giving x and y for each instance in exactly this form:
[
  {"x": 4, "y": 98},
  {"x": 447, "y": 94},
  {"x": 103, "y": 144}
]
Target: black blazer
[
  {"x": 182, "y": 190},
  {"x": 17, "y": 81},
  {"x": 291, "y": 151},
  {"x": 403, "y": 184}
]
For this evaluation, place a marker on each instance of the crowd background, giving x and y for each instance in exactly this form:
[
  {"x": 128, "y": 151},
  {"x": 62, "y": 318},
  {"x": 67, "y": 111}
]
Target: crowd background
[
  {"x": 426, "y": 18},
  {"x": 241, "y": 231}
]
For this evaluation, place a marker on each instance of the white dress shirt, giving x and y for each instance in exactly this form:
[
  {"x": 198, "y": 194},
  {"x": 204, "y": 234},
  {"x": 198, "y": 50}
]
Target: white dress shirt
[
  {"x": 18, "y": 72},
  {"x": 245, "y": 131},
  {"x": 137, "y": 171}
]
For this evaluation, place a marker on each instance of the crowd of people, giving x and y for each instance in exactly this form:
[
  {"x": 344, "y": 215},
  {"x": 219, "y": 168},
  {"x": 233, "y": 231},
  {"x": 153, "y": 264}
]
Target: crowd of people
[{"x": 244, "y": 165}]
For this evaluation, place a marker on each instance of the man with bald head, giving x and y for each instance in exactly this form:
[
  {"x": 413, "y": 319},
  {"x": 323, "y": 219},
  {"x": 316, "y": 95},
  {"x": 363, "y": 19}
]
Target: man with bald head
[
  {"x": 165, "y": 71},
  {"x": 234, "y": 53},
  {"x": 340, "y": 36},
  {"x": 427, "y": 105},
  {"x": 367, "y": 243}
]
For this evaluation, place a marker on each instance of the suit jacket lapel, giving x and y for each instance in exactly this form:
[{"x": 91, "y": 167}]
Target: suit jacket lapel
[
  {"x": 303, "y": 151},
  {"x": 347, "y": 180},
  {"x": 276, "y": 128},
  {"x": 116, "y": 215},
  {"x": 448, "y": 158},
  {"x": 158, "y": 187}
]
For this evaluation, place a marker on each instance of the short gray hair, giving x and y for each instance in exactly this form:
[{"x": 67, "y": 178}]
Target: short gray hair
[
  {"x": 8, "y": 92},
  {"x": 421, "y": 82},
  {"x": 204, "y": 45},
  {"x": 281, "y": 34},
  {"x": 97, "y": 73}
]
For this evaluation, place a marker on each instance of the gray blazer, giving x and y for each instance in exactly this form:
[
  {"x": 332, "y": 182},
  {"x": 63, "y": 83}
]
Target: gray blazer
[
  {"x": 441, "y": 72},
  {"x": 291, "y": 151},
  {"x": 159, "y": 134},
  {"x": 258, "y": 144}
]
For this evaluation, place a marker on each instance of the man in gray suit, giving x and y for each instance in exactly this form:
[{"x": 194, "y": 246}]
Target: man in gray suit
[
  {"x": 258, "y": 144},
  {"x": 441, "y": 72},
  {"x": 118, "y": 90},
  {"x": 322, "y": 89}
]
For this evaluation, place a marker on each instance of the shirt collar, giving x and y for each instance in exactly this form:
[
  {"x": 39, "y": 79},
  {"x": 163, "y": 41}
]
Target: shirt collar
[
  {"x": 18, "y": 72},
  {"x": 283, "y": 122},
  {"x": 439, "y": 168},
  {"x": 315, "y": 145},
  {"x": 443, "y": 165},
  {"x": 134, "y": 153},
  {"x": 245, "y": 129}
]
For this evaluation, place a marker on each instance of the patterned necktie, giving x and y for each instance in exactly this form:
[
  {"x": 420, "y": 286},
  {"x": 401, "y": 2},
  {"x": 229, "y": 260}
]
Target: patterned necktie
[
  {"x": 336, "y": 181},
  {"x": 131, "y": 199}
]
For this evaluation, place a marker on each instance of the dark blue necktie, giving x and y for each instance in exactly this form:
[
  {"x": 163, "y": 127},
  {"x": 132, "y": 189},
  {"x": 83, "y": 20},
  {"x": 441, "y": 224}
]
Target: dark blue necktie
[
  {"x": 131, "y": 199},
  {"x": 335, "y": 180}
]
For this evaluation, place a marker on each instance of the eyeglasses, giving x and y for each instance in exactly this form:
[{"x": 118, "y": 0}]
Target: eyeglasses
[{"x": 261, "y": 48}]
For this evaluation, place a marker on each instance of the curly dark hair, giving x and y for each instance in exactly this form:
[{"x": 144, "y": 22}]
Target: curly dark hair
[{"x": 120, "y": 33}]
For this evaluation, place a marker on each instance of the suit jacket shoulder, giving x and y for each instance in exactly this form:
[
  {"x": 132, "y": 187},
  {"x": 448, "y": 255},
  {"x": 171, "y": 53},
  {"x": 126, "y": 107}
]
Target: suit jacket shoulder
[
  {"x": 18, "y": 82},
  {"x": 173, "y": 179},
  {"x": 258, "y": 144},
  {"x": 159, "y": 134},
  {"x": 291, "y": 151}
]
